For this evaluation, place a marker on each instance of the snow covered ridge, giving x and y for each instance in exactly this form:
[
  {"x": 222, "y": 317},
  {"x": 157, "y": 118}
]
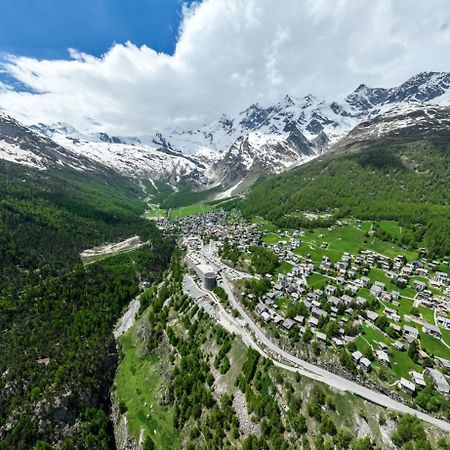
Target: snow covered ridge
[
  {"x": 413, "y": 120},
  {"x": 260, "y": 139}
]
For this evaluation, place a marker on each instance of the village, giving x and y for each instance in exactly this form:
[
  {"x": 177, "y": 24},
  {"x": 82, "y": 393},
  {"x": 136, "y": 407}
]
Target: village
[{"x": 390, "y": 313}]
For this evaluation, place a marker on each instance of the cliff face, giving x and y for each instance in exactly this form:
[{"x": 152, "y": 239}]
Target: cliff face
[{"x": 123, "y": 439}]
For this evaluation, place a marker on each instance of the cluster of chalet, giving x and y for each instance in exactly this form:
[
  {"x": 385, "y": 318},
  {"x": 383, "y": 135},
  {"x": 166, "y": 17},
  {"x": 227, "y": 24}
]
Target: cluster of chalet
[
  {"x": 347, "y": 277},
  {"x": 218, "y": 226}
]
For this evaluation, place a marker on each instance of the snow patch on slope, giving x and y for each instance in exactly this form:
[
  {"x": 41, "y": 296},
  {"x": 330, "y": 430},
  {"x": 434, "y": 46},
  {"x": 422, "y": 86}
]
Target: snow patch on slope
[{"x": 14, "y": 153}]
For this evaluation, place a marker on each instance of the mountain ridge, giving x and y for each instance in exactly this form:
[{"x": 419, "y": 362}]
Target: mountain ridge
[{"x": 259, "y": 140}]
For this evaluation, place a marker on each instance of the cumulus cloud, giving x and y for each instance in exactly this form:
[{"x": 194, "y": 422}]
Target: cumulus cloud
[{"x": 229, "y": 54}]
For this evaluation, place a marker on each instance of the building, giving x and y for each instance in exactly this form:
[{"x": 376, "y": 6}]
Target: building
[
  {"x": 411, "y": 333},
  {"x": 407, "y": 386},
  {"x": 382, "y": 357},
  {"x": 208, "y": 275},
  {"x": 438, "y": 380},
  {"x": 432, "y": 330}
]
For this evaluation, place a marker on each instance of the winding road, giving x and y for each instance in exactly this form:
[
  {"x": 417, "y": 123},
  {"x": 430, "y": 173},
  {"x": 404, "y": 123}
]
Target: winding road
[{"x": 252, "y": 335}]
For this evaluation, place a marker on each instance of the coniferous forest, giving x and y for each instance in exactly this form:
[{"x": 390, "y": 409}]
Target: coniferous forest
[
  {"x": 406, "y": 182},
  {"x": 57, "y": 352}
]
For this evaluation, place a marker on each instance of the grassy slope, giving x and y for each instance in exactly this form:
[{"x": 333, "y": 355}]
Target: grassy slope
[{"x": 373, "y": 183}]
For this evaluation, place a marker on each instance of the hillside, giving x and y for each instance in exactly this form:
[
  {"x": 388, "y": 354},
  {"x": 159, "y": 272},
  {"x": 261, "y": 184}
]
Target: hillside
[
  {"x": 57, "y": 354},
  {"x": 393, "y": 167},
  {"x": 233, "y": 150}
]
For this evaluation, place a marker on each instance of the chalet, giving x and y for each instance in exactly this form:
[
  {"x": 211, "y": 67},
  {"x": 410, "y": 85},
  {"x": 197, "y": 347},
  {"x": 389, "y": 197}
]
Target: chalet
[
  {"x": 407, "y": 386},
  {"x": 357, "y": 356},
  {"x": 443, "y": 322},
  {"x": 382, "y": 357},
  {"x": 321, "y": 336},
  {"x": 411, "y": 333},
  {"x": 438, "y": 380},
  {"x": 395, "y": 295},
  {"x": 300, "y": 319},
  {"x": 399, "y": 345},
  {"x": 334, "y": 301},
  {"x": 347, "y": 299},
  {"x": 288, "y": 324},
  {"x": 313, "y": 322},
  {"x": 365, "y": 364},
  {"x": 419, "y": 285},
  {"x": 266, "y": 316},
  {"x": 418, "y": 378},
  {"x": 432, "y": 330},
  {"x": 442, "y": 362},
  {"x": 376, "y": 290},
  {"x": 330, "y": 290}
]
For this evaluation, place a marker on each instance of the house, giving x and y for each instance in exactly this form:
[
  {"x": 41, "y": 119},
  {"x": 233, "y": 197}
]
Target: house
[
  {"x": 357, "y": 355},
  {"x": 266, "y": 316},
  {"x": 407, "y": 386},
  {"x": 419, "y": 285},
  {"x": 443, "y": 322},
  {"x": 376, "y": 290},
  {"x": 411, "y": 333},
  {"x": 338, "y": 343},
  {"x": 417, "y": 378},
  {"x": 288, "y": 324},
  {"x": 318, "y": 312},
  {"x": 260, "y": 308},
  {"x": 300, "y": 319},
  {"x": 330, "y": 290},
  {"x": 438, "y": 380},
  {"x": 321, "y": 336},
  {"x": 392, "y": 314},
  {"x": 399, "y": 345},
  {"x": 372, "y": 315},
  {"x": 313, "y": 322},
  {"x": 334, "y": 300},
  {"x": 442, "y": 362},
  {"x": 278, "y": 319},
  {"x": 382, "y": 357},
  {"x": 347, "y": 299},
  {"x": 365, "y": 364},
  {"x": 432, "y": 330}
]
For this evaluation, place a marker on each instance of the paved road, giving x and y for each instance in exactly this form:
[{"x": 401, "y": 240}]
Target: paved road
[
  {"x": 317, "y": 373},
  {"x": 128, "y": 319},
  {"x": 290, "y": 362}
]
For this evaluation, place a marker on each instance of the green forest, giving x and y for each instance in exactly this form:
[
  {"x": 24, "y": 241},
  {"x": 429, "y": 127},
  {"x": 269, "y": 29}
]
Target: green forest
[
  {"x": 406, "y": 182},
  {"x": 57, "y": 352}
]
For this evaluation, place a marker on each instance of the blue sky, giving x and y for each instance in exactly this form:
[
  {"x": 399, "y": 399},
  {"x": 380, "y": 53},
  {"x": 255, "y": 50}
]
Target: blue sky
[
  {"x": 230, "y": 54},
  {"x": 47, "y": 28}
]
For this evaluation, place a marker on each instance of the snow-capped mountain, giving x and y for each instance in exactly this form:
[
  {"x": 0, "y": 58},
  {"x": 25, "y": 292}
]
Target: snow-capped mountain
[
  {"x": 128, "y": 156},
  {"x": 22, "y": 145},
  {"x": 260, "y": 139},
  {"x": 411, "y": 121}
]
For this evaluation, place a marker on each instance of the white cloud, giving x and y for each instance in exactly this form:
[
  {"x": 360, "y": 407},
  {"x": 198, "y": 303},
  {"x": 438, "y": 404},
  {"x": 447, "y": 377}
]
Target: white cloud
[{"x": 231, "y": 53}]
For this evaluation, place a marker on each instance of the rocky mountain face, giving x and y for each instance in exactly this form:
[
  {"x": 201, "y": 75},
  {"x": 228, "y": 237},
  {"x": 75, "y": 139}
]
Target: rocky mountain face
[
  {"x": 405, "y": 122},
  {"x": 229, "y": 150}
]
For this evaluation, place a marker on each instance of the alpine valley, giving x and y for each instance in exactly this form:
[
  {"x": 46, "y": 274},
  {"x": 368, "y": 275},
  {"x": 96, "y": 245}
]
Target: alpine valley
[
  {"x": 277, "y": 280},
  {"x": 232, "y": 152}
]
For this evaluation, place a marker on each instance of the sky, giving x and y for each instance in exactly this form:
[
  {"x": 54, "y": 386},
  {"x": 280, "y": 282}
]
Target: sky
[{"x": 133, "y": 67}]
